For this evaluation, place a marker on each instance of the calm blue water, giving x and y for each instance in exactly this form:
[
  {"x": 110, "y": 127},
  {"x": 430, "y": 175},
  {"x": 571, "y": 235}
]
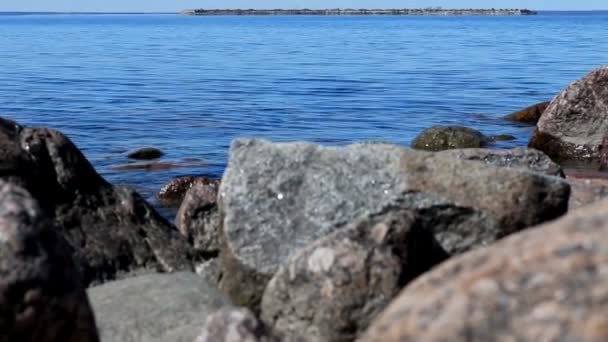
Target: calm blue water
[{"x": 189, "y": 85}]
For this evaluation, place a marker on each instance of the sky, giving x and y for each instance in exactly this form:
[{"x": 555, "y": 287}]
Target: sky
[{"x": 177, "y": 5}]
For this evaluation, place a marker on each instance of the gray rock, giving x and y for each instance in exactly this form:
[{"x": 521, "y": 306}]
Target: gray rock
[
  {"x": 278, "y": 198},
  {"x": 155, "y": 307},
  {"x": 576, "y": 121},
  {"x": 332, "y": 289},
  {"x": 112, "y": 230},
  {"x": 520, "y": 157},
  {"x": 546, "y": 284},
  {"x": 172, "y": 194},
  {"x": 146, "y": 153},
  {"x": 42, "y": 297},
  {"x": 234, "y": 325},
  {"x": 198, "y": 218},
  {"x": 439, "y": 138}
]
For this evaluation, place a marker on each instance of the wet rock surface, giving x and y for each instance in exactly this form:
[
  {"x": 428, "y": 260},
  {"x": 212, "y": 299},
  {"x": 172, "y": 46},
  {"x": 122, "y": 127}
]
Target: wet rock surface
[
  {"x": 112, "y": 230},
  {"x": 146, "y": 153},
  {"x": 332, "y": 289},
  {"x": 235, "y": 325},
  {"x": 548, "y": 283},
  {"x": 278, "y": 198},
  {"x": 198, "y": 218},
  {"x": 575, "y": 123},
  {"x": 439, "y": 138},
  {"x": 154, "y": 307},
  {"x": 42, "y": 297},
  {"x": 520, "y": 157},
  {"x": 529, "y": 115}
]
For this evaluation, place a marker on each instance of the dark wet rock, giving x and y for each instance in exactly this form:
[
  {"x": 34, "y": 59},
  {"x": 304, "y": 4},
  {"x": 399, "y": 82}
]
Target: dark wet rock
[
  {"x": 502, "y": 137},
  {"x": 545, "y": 284},
  {"x": 155, "y": 307},
  {"x": 603, "y": 150},
  {"x": 332, "y": 289},
  {"x": 530, "y": 114},
  {"x": 198, "y": 218},
  {"x": 112, "y": 230},
  {"x": 520, "y": 157},
  {"x": 439, "y": 138},
  {"x": 147, "y": 153},
  {"x": 172, "y": 194},
  {"x": 278, "y": 198},
  {"x": 42, "y": 297},
  {"x": 576, "y": 121},
  {"x": 235, "y": 325}
]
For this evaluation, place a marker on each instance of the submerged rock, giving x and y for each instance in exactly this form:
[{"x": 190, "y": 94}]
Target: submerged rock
[
  {"x": 147, "y": 153},
  {"x": 155, "y": 307},
  {"x": 502, "y": 137},
  {"x": 332, "y": 289},
  {"x": 112, "y": 230},
  {"x": 439, "y": 138},
  {"x": 545, "y": 284},
  {"x": 576, "y": 121},
  {"x": 278, "y": 198},
  {"x": 234, "y": 325},
  {"x": 42, "y": 297},
  {"x": 520, "y": 157},
  {"x": 530, "y": 114}
]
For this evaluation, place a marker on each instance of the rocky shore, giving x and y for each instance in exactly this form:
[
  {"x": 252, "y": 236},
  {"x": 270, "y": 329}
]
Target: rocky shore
[
  {"x": 301, "y": 242},
  {"x": 338, "y": 11}
]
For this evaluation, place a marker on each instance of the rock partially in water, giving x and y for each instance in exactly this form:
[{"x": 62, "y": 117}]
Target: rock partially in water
[
  {"x": 112, "y": 230},
  {"x": 198, "y": 218},
  {"x": 545, "y": 284},
  {"x": 576, "y": 121},
  {"x": 146, "y": 153},
  {"x": 172, "y": 194},
  {"x": 155, "y": 307},
  {"x": 520, "y": 157},
  {"x": 278, "y": 198},
  {"x": 42, "y": 297},
  {"x": 146, "y": 167},
  {"x": 235, "y": 325},
  {"x": 502, "y": 137},
  {"x": 439, "y": 138},
  {"x": 332, "y": 289},
  {"x": 529, "y": 115}
]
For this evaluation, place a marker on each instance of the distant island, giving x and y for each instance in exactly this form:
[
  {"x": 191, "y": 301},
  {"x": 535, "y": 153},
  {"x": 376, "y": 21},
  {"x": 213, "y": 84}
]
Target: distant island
[{"x": 354, "y": 12}]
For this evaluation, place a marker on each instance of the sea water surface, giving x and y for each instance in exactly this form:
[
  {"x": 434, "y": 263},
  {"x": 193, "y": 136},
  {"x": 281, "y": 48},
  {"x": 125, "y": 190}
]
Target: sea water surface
[{"x": 189, "y": 85}]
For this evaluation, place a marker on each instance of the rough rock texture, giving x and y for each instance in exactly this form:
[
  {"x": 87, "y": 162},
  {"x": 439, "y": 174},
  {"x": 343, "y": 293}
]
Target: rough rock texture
[
  {"x": 42, "y": 297},
  {"x": 173, "y": 193},
  {"x": 439, "y": 138},
  {"x": 603, "y": 151},
  {"x": 146, "y": 153},
  {"x": 529, "y": 115},
  {"x": 576, "y": 121},
  {"x": 112, "y": 230},
  {"x": 234, "y": 325},
  {"x": 331, "y": 290},
  {"x": 526, "y": 158},
  {"x": 277, "y": 198},
  {"x": 198, "y": 218},
  {"x": 545, "y": 284},
  {"x": 587, "y": 191},
  {"x": 155, "y": 307}
]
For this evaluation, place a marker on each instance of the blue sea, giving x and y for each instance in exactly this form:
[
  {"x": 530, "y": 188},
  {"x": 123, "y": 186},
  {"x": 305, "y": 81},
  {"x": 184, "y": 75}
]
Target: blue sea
[{"x": 189, "y": 85}]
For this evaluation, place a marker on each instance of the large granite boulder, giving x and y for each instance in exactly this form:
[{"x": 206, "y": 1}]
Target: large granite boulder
[
  {"x": 576, "y": 121},
  {"x": 198, "y": 218},
  {"x": 112, "y": 230},
  {"x": 545, "y": 284},
  {"x": 529, "y": 115},
  {"x": 154, "y": 307},
  {"x": 278, "y": 198},
  {"x": 332, "y": 289},
  {"x": 235, "y": 325},
  {"x": 519, "y": 157},
  {"x": 42, "y": 297},
  {"x": 439, "y": 138}
]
